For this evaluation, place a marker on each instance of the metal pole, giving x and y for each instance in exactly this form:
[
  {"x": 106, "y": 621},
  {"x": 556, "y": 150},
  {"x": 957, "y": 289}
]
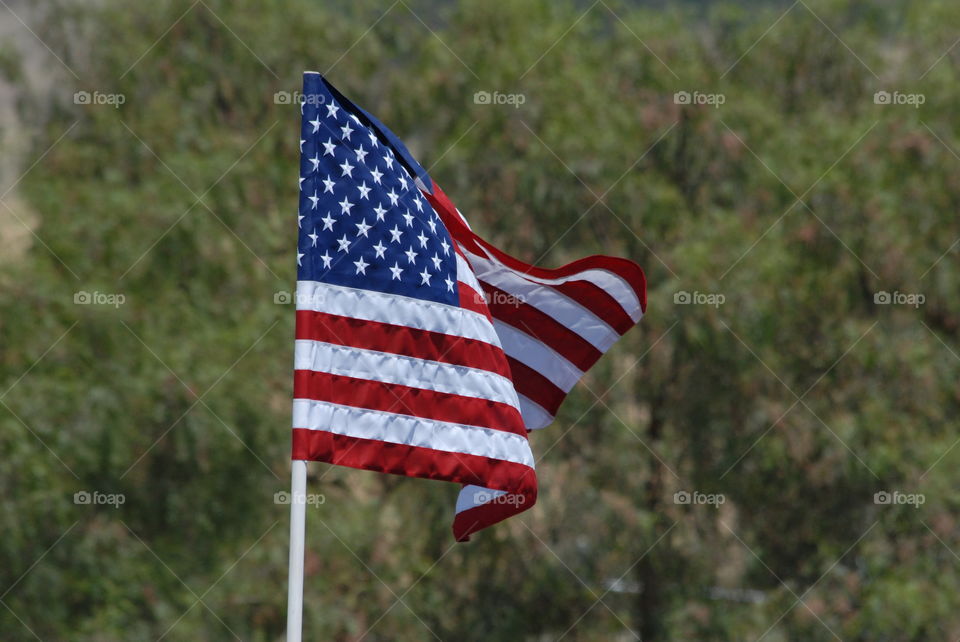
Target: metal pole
[{"x": 298, "y": 509}]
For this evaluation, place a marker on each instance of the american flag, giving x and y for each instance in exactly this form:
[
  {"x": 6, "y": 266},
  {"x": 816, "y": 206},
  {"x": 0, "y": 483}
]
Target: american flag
[{"x": 422, "y": 350}]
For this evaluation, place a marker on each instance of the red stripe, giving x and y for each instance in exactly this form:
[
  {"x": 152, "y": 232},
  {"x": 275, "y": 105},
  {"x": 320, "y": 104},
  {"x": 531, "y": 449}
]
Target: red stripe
[
  {"x": 542, "y": 327},
  {"x": 399, "y": 399},
  {"x": 400, "y": 339},
  {"x": 473, "y": 519},
  {"x": 536, "y": 387},
  {"x": 596, "y": 299},
  {"x": 472, "y": 300},
  {"x": 413, "y": 461}
]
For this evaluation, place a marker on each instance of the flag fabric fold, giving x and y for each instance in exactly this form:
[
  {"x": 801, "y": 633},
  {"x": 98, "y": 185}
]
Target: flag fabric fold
[{"x": 421, "y": 349}]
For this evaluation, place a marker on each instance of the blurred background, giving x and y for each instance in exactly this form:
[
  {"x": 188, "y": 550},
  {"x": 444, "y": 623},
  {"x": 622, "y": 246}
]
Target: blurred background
[{"x": 769, "y": 455}]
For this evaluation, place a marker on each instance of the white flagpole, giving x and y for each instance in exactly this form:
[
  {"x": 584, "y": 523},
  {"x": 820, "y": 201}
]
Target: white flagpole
[{"x": 298, "y": 509}]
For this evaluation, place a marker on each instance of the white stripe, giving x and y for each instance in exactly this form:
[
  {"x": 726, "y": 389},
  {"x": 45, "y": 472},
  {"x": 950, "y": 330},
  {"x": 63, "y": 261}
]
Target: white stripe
[
  {"x": 560, "y": 307},
  {"x": 472, "y": 496},
  {"x": 612, "y": 283},
  {"x": 534, "y": 415},
  {"x": 394, "y": 309},
  {"x": 363, "y": 423},
  {"x": 465, "y": 274},
  {"x": 538, "y": 356},
  {"x": 401, "y": 369}
]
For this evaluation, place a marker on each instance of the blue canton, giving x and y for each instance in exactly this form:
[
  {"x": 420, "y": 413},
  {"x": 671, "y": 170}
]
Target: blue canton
[{"x": 363, "y": 221}]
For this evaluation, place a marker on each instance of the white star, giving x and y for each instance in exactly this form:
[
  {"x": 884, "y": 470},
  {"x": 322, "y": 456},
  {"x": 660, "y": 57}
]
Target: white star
[
  {"x": 425, "y": 276},
  {"x": 436, "y": 262},
  {"x": 364, "y": 190},
  {"x": 344, "y": 243},
  {"x": 314, "y": 199},
  {"x": 332, "y": 110},
  {"x": 393, "y": 196},
  {"x": 419, "y": 204},
  {"x": 377, "y": 175},
  {"x": 355, "y": 119},
  {"x": 327, "y": 185},
  {"x": 345, "y": 206},
  {"x": 433, "y": 225},
  {"x": 300, "y": 184},
  {"x": 373, "y": 138},
  {"x": 361, "y": 154},
  {"x": 299, "y": 256},
  {"x": 422, "y": 239},
  {"x": 313, "y": 237},
  {"x": 362, "y": 228},
  {"x": 328, "y": 147},
  {"x": 326, "y": 260},
  {"x": 411, "y": 255},
  {"x": 379, "y": 248},
  {"x": 408, "y": 217},
  {"x": 316, "y": 161},
  {"x": 388, "y": 160},
  {"x": 347, "y": 169},
  {"x": 328, "y": 222},
  {"x": 449, "y": 284},
  {"x": 403, "y": 183},
  {"x": 446, "y": 247},
  {"x": 299, "y": 219},
  {"x": 346, "y": 131},
  {"x": 395, "y": 233},
  {"x": 361, "y": 266},
  {"x": 316, "y": 124},
  {"x": 379, "y": 209},
  {"x": 301, "y": 144},
  {"x": 396, "y": 269}
]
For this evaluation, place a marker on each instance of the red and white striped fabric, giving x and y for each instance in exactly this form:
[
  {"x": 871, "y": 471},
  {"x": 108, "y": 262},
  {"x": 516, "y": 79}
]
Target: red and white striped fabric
[
  {"x": 438, "y": 365},
  {"x": 553, "y": 326}
]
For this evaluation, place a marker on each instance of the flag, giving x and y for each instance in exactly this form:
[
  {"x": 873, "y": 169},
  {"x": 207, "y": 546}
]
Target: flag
[{"x": 422, "y": 350}]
